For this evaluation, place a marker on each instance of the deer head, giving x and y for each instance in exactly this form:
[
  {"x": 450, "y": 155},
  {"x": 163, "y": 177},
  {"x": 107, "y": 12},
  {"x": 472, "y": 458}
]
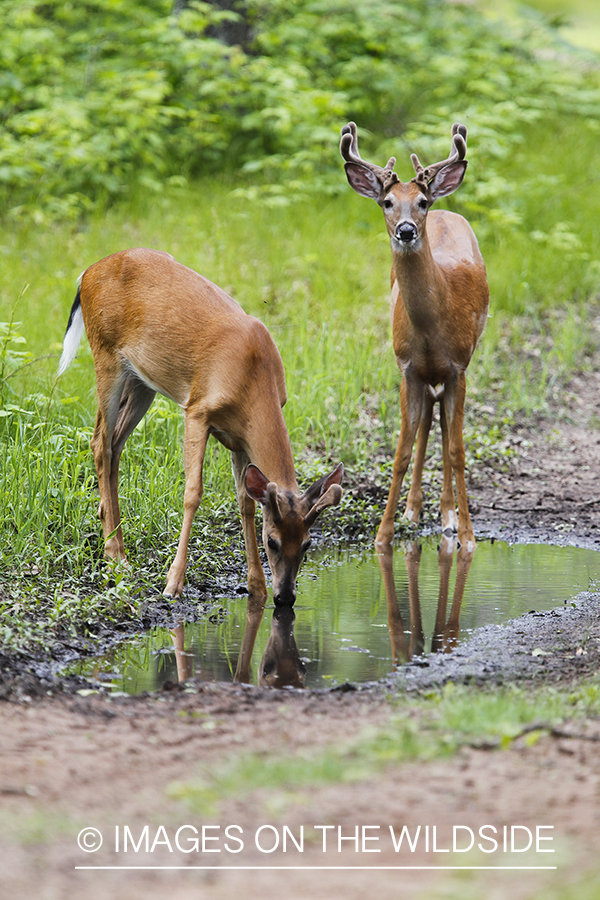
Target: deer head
[
  {"x": 281, "y": 665},
  {"x": 405, "y": 205},
  {"x": 287, "y": 520}
]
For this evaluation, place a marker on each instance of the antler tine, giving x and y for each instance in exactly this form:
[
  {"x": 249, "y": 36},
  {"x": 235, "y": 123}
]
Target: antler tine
[
  {"x": 459, "y": 142},
  {"x": 350, "y": 154},
  {"x": 459, "y": 150},
  {"x": 416, "y": 164},
  {"x": 349, "y": 144}
]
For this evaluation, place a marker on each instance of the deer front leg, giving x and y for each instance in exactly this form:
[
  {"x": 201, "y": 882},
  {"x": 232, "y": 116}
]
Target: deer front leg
[
  {"x": 254, "y": 614},
  {"x": 464, "y": 558},
  {"x": 194, "y": 446},
  {"x": 411, "y": 405},
  {"x": 396, "y": 628},
  {"x": 257, "y": 586},
  {"x": 454, "y": 407},
  {"x": 412, "y": 561},
  {"x": 445, "y": 556},
  {"x": 414, "y": 501}
]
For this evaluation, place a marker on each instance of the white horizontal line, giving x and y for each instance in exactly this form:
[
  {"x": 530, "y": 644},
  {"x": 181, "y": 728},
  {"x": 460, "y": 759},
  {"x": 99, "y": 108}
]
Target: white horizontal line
[{"x": 317, "y": 868}]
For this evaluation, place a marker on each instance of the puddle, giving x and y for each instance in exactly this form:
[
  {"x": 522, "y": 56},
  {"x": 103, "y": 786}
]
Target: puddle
[{"x": 356, "y": 617}]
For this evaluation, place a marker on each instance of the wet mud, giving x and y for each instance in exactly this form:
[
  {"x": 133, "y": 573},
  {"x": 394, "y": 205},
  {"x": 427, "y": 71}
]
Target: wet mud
[
  {"x": 547, "y": 493},
  {"x": 79, "y": 759}
]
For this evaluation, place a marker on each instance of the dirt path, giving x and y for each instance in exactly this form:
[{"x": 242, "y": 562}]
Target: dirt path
[
  {"x": 552, "y": 492},
  {"x": 67, "y": 763}
]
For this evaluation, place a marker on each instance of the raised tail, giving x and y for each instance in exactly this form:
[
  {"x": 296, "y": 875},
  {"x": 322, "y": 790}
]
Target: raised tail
[{"x": 75, "y": 329}]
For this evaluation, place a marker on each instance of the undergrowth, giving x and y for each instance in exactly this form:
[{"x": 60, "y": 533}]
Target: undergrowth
[
  {"x": 422, "y": 728},
  {"x": 316, "y": 271}
]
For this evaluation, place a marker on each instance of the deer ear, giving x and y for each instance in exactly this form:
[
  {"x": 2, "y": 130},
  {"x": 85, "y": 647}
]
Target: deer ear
[
  {"x": 323, "y": 493},
  {"x": 256, "y": 484},
  {"x": 447, "y": 180},
  {"x": 363, "y": 180},
  {"x": 312, "y": 493},
  {"x": 263, "y": 491}
]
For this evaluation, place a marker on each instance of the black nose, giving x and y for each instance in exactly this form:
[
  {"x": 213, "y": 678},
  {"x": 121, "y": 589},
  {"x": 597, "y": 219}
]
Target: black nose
[{"x": 406, "y": 232}]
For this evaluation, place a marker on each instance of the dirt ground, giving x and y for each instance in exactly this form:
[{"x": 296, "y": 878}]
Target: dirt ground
[{"x": 70, "y": 763}]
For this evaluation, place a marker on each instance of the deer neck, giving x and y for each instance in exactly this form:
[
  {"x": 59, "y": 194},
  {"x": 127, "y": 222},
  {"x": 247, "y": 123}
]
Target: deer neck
[
  {"x": 269, "y": 448},
  {"x": 421, "y": 285}
]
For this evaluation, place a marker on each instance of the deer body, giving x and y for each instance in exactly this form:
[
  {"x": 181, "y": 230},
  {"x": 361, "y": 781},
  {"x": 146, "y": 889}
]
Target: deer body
[
  {"x": 156, "y": 326},
  {"x": 429, "y": 333},
  {"x": 439, "y": 307}
]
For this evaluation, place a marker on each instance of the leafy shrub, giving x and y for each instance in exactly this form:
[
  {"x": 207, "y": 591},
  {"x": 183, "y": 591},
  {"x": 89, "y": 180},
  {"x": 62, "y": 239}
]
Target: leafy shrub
[{"x": 97, "y": 95}]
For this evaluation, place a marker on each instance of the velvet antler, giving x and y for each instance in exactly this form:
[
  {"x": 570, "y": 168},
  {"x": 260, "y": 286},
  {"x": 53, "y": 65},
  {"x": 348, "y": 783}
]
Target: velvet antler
[
  {"x": 424, "y": 175},
  {"x": 349, "y": 150}
]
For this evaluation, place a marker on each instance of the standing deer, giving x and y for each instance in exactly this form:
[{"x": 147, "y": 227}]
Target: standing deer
[
  {"x": 439, "y": 308},
  {"x": 155, "y": 325}
]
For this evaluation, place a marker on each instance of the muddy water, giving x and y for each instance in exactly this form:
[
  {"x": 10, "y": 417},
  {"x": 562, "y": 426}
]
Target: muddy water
[{"x": 357, "y": 617}]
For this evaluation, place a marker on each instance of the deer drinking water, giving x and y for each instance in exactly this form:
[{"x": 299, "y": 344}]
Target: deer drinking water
[
  {"x": 439, "y": 308},
  {"x": 155, "y": 325}
]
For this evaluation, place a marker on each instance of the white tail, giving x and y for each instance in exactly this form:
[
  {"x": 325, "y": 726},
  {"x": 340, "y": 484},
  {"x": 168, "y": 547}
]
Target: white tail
[
  {"x": 155, "y": 325},
  {"x": 73, "y": 336},
  {"x": 440, "y": 302}
]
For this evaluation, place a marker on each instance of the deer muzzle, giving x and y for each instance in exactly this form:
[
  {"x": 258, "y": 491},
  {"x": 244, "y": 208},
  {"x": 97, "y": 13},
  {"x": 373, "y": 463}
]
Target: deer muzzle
[{"x": 406, "y": 232}]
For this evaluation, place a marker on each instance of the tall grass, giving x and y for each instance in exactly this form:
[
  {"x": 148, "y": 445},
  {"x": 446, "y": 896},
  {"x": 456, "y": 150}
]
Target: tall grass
[{"x": 317, "y": 274}]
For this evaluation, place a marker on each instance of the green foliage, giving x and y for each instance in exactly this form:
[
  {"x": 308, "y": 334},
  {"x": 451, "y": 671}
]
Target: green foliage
[
  {"x": 103, "y": 100},
  {"x": 422, "y": 728},
  {"x": 54, "y": 582},
  {"x": 10, "y": 358},
  {"x": 98, "y": 95}
]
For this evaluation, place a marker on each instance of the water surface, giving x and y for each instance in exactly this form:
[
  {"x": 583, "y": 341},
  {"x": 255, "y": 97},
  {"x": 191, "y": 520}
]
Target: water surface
[{"x": 357, "y": 616}]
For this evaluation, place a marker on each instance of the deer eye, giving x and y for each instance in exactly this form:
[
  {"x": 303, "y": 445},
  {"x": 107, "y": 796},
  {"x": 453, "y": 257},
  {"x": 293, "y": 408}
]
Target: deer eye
[
  {"x": 387, "y": 204},
  {"x": 272, "y": 544},
  {"x": 423, "y": 204}
]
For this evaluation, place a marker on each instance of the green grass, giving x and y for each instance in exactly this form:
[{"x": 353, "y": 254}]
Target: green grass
[
  {"x": 317, "y": 273},
  {"x": 421, "y": 728}
]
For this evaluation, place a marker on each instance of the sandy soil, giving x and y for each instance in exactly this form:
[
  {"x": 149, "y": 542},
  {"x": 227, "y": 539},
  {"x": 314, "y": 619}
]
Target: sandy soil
[{"x": 72, "y": 762}]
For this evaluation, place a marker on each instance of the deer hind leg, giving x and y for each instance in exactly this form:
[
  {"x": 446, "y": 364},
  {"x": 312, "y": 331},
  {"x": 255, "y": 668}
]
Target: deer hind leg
[
  {"x": 411, "y": 405},
  {"x": 454, "y": 407},
  {"x": 194, "y": 448},
  {"x": 257, "y": 586},
  {"x": 110, "y": 377},
  {"x": 136, "y": 399},
  {"x": 447, "y": 501},
  {"x": 414, "y": 501}
]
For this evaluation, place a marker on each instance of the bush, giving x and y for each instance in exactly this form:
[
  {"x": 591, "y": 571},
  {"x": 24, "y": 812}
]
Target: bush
[{"x": 98, "y": 95}]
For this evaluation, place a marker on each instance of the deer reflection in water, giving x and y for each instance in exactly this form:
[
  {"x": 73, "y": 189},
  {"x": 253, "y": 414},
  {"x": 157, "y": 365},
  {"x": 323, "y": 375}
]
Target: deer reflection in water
[
  {"x": 183, "y": 659},
  {"x": 445, "y": 633},
  {"x": 280, "y": 665}
]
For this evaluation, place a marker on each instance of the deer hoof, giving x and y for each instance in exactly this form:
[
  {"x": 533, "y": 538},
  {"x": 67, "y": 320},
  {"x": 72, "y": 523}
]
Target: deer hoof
[{"x": 174, "y": 587}]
